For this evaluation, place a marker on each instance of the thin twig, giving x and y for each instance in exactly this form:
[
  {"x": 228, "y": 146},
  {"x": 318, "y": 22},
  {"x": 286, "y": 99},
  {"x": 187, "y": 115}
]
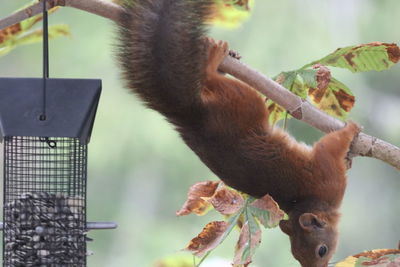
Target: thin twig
[{"x": 101, "y": 8}]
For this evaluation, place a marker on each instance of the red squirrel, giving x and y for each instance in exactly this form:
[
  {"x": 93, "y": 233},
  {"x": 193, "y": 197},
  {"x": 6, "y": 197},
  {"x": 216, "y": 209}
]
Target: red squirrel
[{"x": 167, "y": 61}]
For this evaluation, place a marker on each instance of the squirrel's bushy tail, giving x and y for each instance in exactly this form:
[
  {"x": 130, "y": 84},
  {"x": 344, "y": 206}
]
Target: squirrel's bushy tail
[{"x": 162, "y": 53}]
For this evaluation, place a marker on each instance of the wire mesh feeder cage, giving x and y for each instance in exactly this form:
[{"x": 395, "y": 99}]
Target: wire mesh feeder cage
[{"x": 45, "y": 170}]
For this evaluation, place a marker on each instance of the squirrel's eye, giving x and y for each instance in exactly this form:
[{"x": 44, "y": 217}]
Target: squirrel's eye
[{"x": 322, "y": 250}]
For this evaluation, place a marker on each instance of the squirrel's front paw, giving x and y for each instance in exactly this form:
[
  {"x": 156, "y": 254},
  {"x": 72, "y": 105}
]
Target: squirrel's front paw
[
  {"x": 222, "y": 48},
  {"x": 208, "y": 41},
  {"x": 217, "y": 51},
  {"x": 221, "y": 45}
]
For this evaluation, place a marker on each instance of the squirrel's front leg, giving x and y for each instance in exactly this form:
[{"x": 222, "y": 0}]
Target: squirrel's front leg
[{"x": 336, "y": 144}]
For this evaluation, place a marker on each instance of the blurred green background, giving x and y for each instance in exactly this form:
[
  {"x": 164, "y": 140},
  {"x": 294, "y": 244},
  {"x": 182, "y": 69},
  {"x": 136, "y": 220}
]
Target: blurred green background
[{"x": 139, "y": 169}]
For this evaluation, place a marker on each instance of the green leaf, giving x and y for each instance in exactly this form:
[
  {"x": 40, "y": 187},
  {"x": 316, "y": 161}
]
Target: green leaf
[
  {"x": 232, "y": 223},
  {"x": 337, "y": 86},
  {"x": 253, "y": 224},
  {"x": 286, "y": 78},
  {"x": 249, "y": 241},
  {"x": 254, "y": 229},
  {"x": 30, "y": 22},
  {"x": 267, "y": 211},
  {"x": 366, "y": 57},
  {"x": 309, "y": 77},
  {"x": 298, "y": 88},
  {"x": 246, "y": 252},
  {"x": 20, "y": 33},
  {"x": 276, "y": 112},
  {"x": 290, "y": 81},
  {"x": 262, "y": 215}
]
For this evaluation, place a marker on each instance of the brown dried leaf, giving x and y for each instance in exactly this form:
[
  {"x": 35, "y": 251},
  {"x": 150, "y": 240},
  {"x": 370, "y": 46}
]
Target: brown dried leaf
[
  {"x": 373, "y": 258},
  {"x": 393, "y": 52},
  {"x": 317, "y": 94},
  {"x": 336, "y": 99},
  {"x": 377, "y": 253},
  {"x": 195, "y": 202},
  {"x": 323, "y": 76},
  {"x": 346, "y": 101},
  {"x": 331, "y": 95},
  {"x": 208, "y": 239},
  {"x": 10, "y": 32},
  {"x": 244, "y": 252},
  {"x": 267, "y": 211},
  {"x": 227, "y": 201},
  {"x": 243, "y": 3}
]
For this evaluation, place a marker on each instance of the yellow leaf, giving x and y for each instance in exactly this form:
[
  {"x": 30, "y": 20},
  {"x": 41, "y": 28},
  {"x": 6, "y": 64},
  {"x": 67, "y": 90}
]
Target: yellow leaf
[
  {"x": 377, "y": 257},
  {"x": 348, "y": 262},
  {"x": 227, "y": 15},
  {"x": 175, "y": 261}
]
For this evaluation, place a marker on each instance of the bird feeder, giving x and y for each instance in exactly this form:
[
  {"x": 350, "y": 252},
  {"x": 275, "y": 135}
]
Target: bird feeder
[
  {"x": 45, "y": 128},
  {"x": 45, "y": 170}
]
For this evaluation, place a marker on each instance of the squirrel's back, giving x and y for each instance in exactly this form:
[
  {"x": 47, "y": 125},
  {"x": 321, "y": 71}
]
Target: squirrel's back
[{"x": 162, "y": 53}]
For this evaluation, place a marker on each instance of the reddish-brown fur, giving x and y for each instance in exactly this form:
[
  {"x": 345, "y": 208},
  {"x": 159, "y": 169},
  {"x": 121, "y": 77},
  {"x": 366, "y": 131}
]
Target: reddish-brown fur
[
  {"x": 225, "y": 122},
  {"x": 301, "y": 179},
  {"x": 237, "y": 117}
]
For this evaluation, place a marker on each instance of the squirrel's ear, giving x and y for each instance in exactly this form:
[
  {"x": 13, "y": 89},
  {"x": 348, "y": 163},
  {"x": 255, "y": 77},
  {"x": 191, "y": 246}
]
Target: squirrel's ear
[
  {"x": 310, "y": 221},
  {"x": 286, "y": 227}
]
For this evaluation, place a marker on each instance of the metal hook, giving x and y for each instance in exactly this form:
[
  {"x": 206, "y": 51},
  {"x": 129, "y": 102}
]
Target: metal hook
[{"x": 50, "y": 143}]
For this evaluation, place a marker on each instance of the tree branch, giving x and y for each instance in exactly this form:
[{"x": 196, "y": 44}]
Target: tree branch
[
  {"x": 364, "y": 145},
  {"x": 101, "y": 8}
]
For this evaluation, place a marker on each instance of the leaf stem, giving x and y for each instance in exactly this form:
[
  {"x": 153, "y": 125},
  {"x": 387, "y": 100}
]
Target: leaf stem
[
  {"x": 285, "y": 121},
  {"x": 248, "y": 226},
  {"x": 202, "y": 259},
  {"x": 232, "y": 223}
]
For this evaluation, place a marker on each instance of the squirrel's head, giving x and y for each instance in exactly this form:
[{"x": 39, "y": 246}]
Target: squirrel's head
[{"x": 313, "y": 237}]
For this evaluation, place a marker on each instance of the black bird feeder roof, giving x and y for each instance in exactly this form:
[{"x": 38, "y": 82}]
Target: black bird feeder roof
[{"x": 71, "y": 106}]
